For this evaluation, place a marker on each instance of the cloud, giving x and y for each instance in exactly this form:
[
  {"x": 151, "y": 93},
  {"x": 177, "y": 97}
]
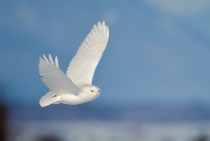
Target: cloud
[
  {"x": 184, "y": 8},
  {"x": 26, "y": 14},
  {"x": 182, "y": 19},
  {"x": 110, "y": 15},
  {"x": 50, "y": 29}
]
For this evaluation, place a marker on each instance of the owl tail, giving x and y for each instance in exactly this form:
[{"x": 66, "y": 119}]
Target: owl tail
[{"x": 48, "y": 99}]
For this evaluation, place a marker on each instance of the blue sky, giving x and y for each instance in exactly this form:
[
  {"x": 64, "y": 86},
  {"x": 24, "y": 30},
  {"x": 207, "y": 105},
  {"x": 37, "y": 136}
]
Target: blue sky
[{"x": 158, "y": 51}]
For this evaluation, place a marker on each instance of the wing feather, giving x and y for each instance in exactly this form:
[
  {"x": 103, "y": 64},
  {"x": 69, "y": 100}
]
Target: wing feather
[
  {"x": 51, "y": 60},
  {"x": 54, "y": 78},
  {"x": 56, "y": 62},
  {"x": 82, "y": 67}
]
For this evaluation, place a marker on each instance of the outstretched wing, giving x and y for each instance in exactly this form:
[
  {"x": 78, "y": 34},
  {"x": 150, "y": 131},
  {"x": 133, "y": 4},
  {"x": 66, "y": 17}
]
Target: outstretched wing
[
  {"x": 82, "y": 67},
  {"x": 54, "y": 78}
]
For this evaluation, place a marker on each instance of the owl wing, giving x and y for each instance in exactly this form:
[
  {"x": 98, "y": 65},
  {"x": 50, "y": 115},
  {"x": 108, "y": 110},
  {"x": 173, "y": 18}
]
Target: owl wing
[
  {"x": 82, "y": 67},
  {"x": 54, "y": 78}
]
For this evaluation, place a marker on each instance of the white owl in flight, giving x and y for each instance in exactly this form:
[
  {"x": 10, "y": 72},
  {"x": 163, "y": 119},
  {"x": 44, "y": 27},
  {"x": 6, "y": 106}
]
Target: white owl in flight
[{"x": 76, "y": 86}]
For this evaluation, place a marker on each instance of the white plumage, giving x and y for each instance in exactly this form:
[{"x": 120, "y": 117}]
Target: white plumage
[{"x": 76, "y": 86}]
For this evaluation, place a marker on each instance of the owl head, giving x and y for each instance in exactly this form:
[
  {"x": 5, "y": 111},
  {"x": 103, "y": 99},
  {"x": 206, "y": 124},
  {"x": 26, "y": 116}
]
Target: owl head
[{"x": 91, "y": 90}]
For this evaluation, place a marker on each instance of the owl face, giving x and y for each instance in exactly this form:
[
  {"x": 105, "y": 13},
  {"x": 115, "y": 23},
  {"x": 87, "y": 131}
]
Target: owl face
[{"x": 92, "y": 91}]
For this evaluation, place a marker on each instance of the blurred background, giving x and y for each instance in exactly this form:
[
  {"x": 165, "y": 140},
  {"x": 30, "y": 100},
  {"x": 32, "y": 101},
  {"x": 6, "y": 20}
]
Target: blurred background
[{"x": 154, "y": 73}]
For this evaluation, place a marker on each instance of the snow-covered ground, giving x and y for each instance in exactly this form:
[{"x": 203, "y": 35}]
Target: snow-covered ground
[{"x": 92, "y": 130}]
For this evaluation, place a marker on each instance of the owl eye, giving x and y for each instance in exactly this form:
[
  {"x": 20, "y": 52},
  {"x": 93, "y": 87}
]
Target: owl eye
[
  {"x": 92, "y": 90},
  {"x": 99, "y": 91}
]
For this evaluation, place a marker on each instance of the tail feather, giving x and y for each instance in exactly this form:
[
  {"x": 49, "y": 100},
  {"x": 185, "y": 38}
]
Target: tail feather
[{"x": 49, "y": 99}]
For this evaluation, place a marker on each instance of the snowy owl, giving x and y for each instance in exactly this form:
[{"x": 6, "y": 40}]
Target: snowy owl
[{"x": 76, "y": 86}]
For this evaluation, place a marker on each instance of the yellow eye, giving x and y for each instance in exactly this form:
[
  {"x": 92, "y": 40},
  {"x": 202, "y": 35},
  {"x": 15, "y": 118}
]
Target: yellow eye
[{"x": 92, "y": 90}]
